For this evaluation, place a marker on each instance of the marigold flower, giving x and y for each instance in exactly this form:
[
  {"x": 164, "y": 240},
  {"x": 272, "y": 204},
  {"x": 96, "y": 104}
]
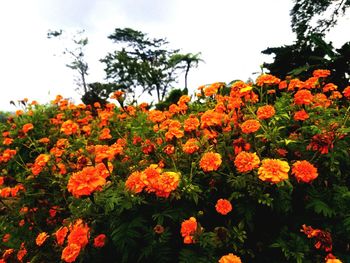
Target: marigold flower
[
  {"x": 273, "y": 170},
  {"x": 211, "y": 118},
  {"x": 230, "y": 258},
  {"x": 69, "y": 127},
  {"x": 27, "y": 127},
  {"x": 21, "y": 253},
  {"x": 223, "y": 206},
  {"x": 40, "y": 239},
  {"x": 7, "y": 141},
  {"x": 301, "y": 115},
  {"x": 303, "y": 97},
  {"x": 191, "y": 124},
  {"x": 346, "y": 92},
  {"x": 100, "y": 240},
  {"x": 329, "y": 87},
  {"x": 134, "y": 182},
  {"x": 79, "y": 234},
  {"x": 304, "y": 171},
  {"x": 321, "y": 100},
  {"x": 6, "y": 237},
  {"x": 210, "y": 161},
  {"x": 188, "y": 229},
  {"x": 105, "y": 134},
  {"x": 165, "y": 184},
  {"x": 191, "y": 146},
  {"x": 250, "y": 126},
  {"x": 70, "y": 253},
  {"x": 61, "y": 234},
  {"x": 246, "y": 162},
  {"x": 267, "y": 79},
  {"x": 156, "y": 116},
  {"x": 330, "y": 258},
  {"x": 40, "y": 163},
  {"x": 265, "y": 112},
  {"x": 321, "y": 73},
  {"x": 85, "y": 182},
  {"x": 44, "y": 140}
]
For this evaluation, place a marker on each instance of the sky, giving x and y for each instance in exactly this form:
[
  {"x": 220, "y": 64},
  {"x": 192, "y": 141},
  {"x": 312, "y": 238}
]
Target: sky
[{"x": 230, "y": 36}]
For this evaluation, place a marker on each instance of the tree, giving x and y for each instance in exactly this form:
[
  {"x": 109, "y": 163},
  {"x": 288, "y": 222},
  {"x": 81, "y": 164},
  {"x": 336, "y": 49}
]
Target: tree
[
  {"x": 185, "y": 62},
  {"x": 143, "y": 62},
  {"x": 310, "y": 51},
  {"x": 305, "y": 12},
  {"x": 77, "y": 56}
]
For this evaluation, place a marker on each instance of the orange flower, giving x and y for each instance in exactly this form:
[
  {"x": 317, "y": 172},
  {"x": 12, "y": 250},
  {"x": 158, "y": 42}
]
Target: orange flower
[
  {"x": 79, "y": 234},
  {"x": 40, "y": 163},
  {"x": 188, "y": 229},
  {"x": 210, "y": 161},
  {"x": 21, "y": 253},
  {"x": 303, "y": 97},
  {"x": 100, "y": 240},
  {"x": 156, "y": 116},
  {"x": 134, "y": 182},
  {"x": 85, "y": 182},
  {"x": 250, "y": 126},
  {"x": 245, "y": 162},
  {"x": 267, "y": 79},
  {"x": 265, "y": 112},
  {"x": 69, "y": 127},
  {"x": 330, "y": 258},
  {"x": 7, "y": 141},
  {"x": 165, "y": 184},
  {"x": 230, "y": 258},
  {"x": 105, "y": 134},
  {"x": 40, "y": 239},
  {"x": 27, "y": 127},
  {"x": 6, "y": 238},
  {"x": 301, "y": 115},
  {"x": 223, "y": 206},
  {"x": 346, "y": 92},
  {"x": 61, "y": 234},
  {"x": 320, "y": 100},
  {"x": 211, "y": 118},
  {"x": 190, "y": 146},
  {"x": 273, "y": 170},
  {"x": 44, "y": 140},
  {"x": 321, "y": 73},
  {"x": 70, "y": 253},
  {"x": 304, "y": 171},
  {"x": 191, "y": 124},
  {"x": 329, "y": 87}
]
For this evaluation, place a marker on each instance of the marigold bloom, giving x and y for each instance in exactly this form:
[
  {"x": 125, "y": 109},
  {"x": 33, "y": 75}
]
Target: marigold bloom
[
  {"x": 40, "y": 239},
  {"x": 246, "y": 162},
  {"x": 40, "y": 163},
  {"x": 134, "y": 182},
  {"x": 267, "y": 79},
  {"x": 61, "y": 234},
  {"x": 188, "y": 229},
  {"x": 85, "y": 182},
  {"x": 100, "y": 240},
  {"x": 211, "y": 118},
  {"x": 210, "y": 161},
  {"x": 105, "y": 134},
  {"x": 191, "y": 146},
  {"x": 329, "y": 87},
  {"x": 6, "y": 237},
  {"x": 156, "y": 116},
  {"x": 69, "y": 127},
  {"x": 7, "y": 141},
  {"x": 250, "y": 126},
  {"x": 44, "y": 140},
  {"x": 21, "y": 253},
  {"x": 321, "y": 73},
  {"x": 27, "y": 127},
  {"x": 330, "y": 258},
  {"x": 321, "y": 100},
  {"x": 165, "y": 184},
  {"x": 230, "y": 258},
  {"x": 273, "y": 170},
  {"x": 346, "y": 92},
  {"x": 223, "y": 206},
  {"x": 70, "y": 253},
  {"x": 191, "y": 124},
  {"x": 301, "y": 115},
  {"x": 79, "y": 234},
  {"x": 265, "y": 112},
  {"x": 303, "y": 97},
  {"x": 304, "y": 171}
]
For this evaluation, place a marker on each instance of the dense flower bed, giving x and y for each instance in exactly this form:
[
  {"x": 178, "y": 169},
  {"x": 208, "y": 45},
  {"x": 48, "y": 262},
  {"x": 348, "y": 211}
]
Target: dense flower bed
[{"x": 245, "y": 172}]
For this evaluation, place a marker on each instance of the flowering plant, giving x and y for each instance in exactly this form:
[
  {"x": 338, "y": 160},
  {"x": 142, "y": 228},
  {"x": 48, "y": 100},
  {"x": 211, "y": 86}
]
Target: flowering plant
[{"x": 236, "y": 175}]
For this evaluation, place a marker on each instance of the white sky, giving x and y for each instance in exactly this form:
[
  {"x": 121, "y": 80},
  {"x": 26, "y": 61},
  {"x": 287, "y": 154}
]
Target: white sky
[{"x": 229, "y": 34}]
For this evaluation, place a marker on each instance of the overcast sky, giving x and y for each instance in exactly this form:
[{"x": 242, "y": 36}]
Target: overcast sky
[{"x": 229, "y": 34}]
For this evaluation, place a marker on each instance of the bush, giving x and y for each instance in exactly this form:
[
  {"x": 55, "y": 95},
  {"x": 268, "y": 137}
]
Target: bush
[{"x": 245, "y": 172}]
